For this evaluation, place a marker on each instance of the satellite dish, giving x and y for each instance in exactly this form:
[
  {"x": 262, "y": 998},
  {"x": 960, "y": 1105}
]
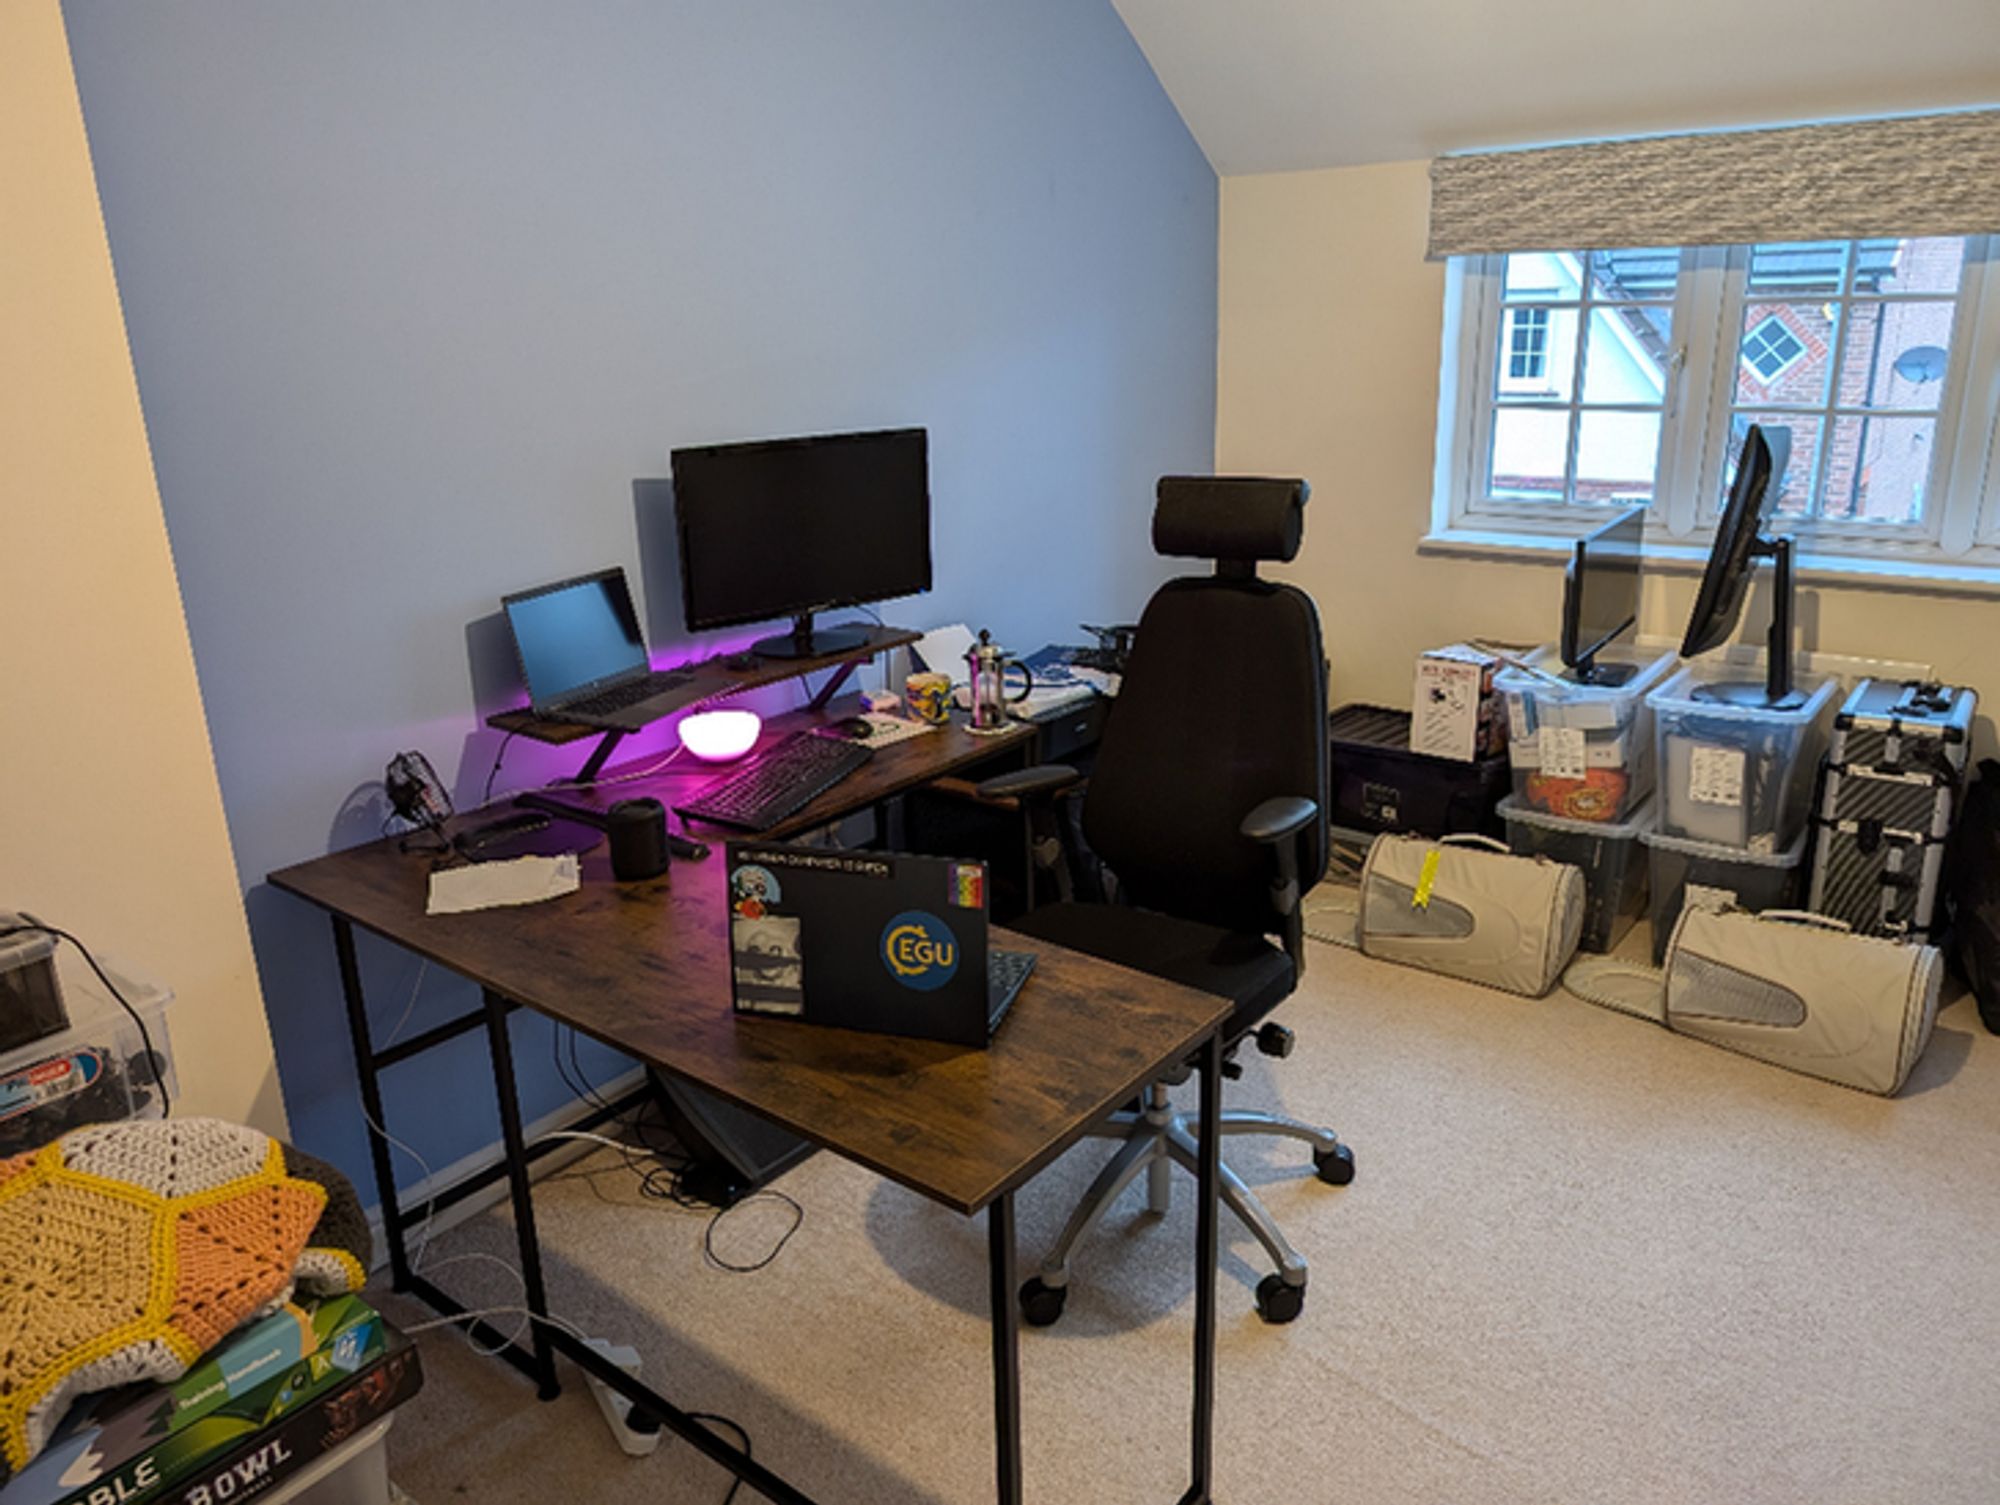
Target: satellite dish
[{"x": 1921, "y": 363}]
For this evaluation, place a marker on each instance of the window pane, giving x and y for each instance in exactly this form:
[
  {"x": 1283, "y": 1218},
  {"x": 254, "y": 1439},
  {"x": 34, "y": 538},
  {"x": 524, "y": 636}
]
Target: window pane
[
  {"x": 1798, "y": 269},
  {"x": 1530, "y": 454},
  {"x": 1909, "y": 266},
  {"x": 1542, "y": 275},
  {"x": 1616, "y": 454},
  {"x": 1896, "y": 354},
  {"x": 1877, "y": 468},
  {"x": 1786, "y": 352},
  {"x": 1639, "y": 272},
  {"x": 1536, "y": 360},
  {"x": 1625, "y": 357},
  {"x": 1795, "y": 498}
]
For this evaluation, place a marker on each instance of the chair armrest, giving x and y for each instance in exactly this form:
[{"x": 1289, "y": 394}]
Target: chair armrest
[
  {"x": 1026, "y": 783},
  {"x": 1277, "y": 818}
]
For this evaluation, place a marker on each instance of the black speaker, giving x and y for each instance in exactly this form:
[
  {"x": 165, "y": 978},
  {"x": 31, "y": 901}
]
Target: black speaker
[
  {"x": 733, "y": 1152},
  {"x": 638, "y": 830}
]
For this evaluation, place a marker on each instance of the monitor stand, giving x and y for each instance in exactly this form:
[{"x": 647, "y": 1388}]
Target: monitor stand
[
  {"x": 803, "y": 641},
  {"x": 1776, "y": 692},
  {"x": 1604, "y": 676}
]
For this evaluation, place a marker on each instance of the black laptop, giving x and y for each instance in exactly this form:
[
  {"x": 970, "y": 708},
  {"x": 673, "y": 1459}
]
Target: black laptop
[
  {"x": 867, "y": 940},
  {"x": 584, "y": 657}
]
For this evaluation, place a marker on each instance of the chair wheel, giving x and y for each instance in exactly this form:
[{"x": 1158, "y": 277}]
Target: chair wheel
[
  {"x": 1041, "y": 1304},
  {"x": 1277, "y": 1301},
  {"x": 1335, "y": 1166}
]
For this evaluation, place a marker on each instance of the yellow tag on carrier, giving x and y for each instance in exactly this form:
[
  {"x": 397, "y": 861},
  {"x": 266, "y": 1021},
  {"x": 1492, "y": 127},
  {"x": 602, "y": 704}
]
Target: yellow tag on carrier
[{"x": 1426, "y": 879}]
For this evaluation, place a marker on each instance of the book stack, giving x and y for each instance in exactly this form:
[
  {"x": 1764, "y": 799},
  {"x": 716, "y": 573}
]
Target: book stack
[{"x": 264, "y": 1404}]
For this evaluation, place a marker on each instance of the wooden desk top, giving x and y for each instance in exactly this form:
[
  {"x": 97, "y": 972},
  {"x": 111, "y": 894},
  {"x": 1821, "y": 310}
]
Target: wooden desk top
[{"x": 644, "y": 967}]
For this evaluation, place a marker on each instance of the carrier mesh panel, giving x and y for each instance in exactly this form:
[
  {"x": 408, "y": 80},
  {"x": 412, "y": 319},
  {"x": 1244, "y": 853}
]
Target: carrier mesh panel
[
  {"x": 1397, "y": 914},
  {"x": 1699, "y": 988}
]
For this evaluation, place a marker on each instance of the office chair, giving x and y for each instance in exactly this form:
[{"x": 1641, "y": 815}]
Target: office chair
[{"x": 1208, "y": 805}]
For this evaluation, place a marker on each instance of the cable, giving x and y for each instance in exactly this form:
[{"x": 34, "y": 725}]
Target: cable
[
  {"x": 738, "y": 1428},
  {"x": 423, "y": 966},
  {"x": 644, "y": 773},
  {"x": 33, "y": 926},
  {"x": 708, "y": 1234},
  {"x": 501, "y": 752}
]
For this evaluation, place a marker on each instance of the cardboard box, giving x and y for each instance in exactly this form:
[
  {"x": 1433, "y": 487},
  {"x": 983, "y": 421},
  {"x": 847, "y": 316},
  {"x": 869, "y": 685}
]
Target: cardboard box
[{"x": 1454, "y": 711}]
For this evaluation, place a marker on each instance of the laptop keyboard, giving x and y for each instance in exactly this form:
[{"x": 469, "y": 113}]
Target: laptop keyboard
[
  {"x": 787, "y": 778},
  {"x": 1005, "y": 972},
  {"x": 624, "y": 697}
]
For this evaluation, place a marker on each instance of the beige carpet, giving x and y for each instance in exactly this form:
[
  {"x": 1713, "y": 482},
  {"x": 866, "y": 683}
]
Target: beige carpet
[{"x": 1584, "y": 1260}]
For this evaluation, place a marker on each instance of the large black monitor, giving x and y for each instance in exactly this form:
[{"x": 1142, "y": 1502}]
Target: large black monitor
[
  {"x": 1725, "y": 584},
  {"x": 1601, "y": 597},
  {"x": 789, "y": 527}
]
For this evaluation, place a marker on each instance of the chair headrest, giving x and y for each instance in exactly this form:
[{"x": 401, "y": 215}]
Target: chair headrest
[{"x": 1232, "y": 518}]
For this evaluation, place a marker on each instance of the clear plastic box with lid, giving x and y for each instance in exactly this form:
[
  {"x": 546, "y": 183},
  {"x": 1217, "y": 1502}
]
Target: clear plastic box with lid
[
  {"x": 100, "y": 1068},
  {"x": 1583, "y": 751}
]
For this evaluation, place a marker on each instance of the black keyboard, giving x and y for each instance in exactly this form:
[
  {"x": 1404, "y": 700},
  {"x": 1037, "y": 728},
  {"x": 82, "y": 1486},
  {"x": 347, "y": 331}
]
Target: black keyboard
[
  {"x": 1005, "y": 972},
  {"x": 787, "y": 778},
  {"x": 625, "y": 696}
]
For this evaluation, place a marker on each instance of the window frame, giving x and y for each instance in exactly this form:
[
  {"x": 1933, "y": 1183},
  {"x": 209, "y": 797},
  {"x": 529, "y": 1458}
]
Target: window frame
[{"x": 1959, "y": 538}]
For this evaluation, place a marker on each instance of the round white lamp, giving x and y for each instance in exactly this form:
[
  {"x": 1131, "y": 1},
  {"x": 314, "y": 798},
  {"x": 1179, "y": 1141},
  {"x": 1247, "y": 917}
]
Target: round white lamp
[{"x": 720, "y": 736}]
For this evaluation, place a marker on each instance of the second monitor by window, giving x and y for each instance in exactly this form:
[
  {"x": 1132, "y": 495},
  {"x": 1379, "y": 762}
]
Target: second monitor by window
[{"x": 789, "y": 527}]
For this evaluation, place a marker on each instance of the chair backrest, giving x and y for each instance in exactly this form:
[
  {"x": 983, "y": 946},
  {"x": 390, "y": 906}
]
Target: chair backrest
[{"x": 1223, "y": 705}]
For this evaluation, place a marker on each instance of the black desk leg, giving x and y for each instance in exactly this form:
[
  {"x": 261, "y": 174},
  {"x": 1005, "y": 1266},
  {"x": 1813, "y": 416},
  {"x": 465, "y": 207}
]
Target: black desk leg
[
  {"x": 1208, "y": 1183},
  {"x": 1006, "y": 1348},
  {"x": 371, "y": 1101},
  {"x": 534, "y": 1295}
]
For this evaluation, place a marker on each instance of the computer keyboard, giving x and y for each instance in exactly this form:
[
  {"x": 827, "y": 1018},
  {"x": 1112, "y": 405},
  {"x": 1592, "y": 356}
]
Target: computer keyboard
[
  {"x": 787, "y": 778},
  {"x": 1005, "y": 972},
  {"x": 623, "y": 697}
]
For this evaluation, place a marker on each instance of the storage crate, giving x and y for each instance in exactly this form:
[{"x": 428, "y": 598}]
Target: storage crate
[
  {"x": 1755, "y": 881},
  {"x": 1380, "y": 785},
  {"x": 1737, "y": 776},
  {"x": 97, "y": 1070},
  {"x": 31, "y": 1001},
  {"x": 1610, "y": 856},
  {"x": 1583, "y": 751}
]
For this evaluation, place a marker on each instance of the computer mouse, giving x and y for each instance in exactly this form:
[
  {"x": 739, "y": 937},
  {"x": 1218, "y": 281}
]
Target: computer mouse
[{"x": 856, "y": 727}]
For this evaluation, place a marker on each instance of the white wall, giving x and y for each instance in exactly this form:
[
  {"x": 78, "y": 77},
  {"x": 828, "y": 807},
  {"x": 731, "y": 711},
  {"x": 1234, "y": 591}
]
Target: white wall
[
  {"x": 1330, "y": 324},
  {"x": 110, "y": 819}
]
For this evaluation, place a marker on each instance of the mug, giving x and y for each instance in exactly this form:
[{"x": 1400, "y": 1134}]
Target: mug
[{"x": 928, "y": 696}]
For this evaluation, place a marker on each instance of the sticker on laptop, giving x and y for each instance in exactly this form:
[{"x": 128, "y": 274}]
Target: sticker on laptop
[
  {"x": 752, "y": 892},
  {"x": 769, "y": 962},
  {"x": 919, "y": 950},
  {"x": 968, "y": 885}
]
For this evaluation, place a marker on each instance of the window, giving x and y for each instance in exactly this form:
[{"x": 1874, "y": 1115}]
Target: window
[{"x": 1579, "y": 381}]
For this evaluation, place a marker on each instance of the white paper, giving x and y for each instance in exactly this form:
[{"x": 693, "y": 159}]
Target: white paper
[
  {"x": 1564, "y": 755},
  {"x": 494, "y": 885},
  {"x": 943, "y": 650},
  {"x": 1715, "y": 776}
]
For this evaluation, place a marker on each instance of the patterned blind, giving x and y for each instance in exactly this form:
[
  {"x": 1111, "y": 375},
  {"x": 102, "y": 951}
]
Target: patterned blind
[{"x": 1919, "y": 175}]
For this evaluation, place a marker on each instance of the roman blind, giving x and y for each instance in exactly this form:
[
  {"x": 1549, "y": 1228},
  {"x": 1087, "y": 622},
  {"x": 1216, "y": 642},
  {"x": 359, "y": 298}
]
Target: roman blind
[{"x": 1917, "y": 175}]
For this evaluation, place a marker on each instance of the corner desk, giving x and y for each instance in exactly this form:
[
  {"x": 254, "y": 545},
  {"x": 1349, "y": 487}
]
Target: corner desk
[{"x": 644, "y": 968}]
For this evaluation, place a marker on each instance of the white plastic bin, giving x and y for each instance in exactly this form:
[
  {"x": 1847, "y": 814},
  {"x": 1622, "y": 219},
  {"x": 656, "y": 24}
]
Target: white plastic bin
[
  {"x": 1737, "y": 776},
  {"x": 96, "y": 1071},
  {"x": 1583, "y": 751}
]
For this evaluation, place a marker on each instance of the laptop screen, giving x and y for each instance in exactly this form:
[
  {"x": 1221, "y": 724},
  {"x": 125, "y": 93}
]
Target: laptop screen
[{"x": 575, "y": 636}]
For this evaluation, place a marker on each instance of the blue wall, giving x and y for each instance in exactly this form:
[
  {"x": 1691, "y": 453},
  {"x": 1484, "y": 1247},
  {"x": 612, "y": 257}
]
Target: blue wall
[{"x": 417, "y": 294}]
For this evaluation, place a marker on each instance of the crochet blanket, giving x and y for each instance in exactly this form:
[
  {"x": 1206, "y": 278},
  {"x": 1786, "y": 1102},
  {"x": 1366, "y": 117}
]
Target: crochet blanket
[{"x": 128, "y": 1250}]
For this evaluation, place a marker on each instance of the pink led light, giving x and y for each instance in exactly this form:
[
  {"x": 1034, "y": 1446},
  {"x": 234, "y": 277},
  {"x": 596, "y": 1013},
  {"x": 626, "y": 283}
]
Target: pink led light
[{"x": 720, "y": 736}]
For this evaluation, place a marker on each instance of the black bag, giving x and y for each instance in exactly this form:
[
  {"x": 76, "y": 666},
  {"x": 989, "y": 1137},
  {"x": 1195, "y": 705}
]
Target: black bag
[{"x": 1972, "y": 884}]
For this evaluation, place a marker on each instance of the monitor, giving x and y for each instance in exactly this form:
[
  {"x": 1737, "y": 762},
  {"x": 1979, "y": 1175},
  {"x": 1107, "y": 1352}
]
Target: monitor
[
  {"x": 1725, "y": 583},
  {"x": 576, "y": 637},
  {"x": 1601, "y": 597},
  {"x": 790, "y": 527}
]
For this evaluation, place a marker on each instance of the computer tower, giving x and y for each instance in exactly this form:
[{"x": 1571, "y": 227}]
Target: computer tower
[{"x": 733, "y": 1153}]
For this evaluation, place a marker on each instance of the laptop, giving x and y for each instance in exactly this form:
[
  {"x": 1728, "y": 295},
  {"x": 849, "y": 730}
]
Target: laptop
[
  {"x": 584, "y": 657},
  {"x": 867, "y": 940}
]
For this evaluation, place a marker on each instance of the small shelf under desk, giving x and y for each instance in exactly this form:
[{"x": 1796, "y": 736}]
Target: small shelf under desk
[{"x": 711, "y": 679}]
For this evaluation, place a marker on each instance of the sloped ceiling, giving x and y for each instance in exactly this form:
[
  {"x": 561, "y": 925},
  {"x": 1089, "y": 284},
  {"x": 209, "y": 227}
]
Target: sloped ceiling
[{"x": 1277, "y": 85}]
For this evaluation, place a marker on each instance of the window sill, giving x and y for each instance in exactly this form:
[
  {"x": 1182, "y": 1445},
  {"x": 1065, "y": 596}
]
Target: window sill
[{"x": 1841, "y": 572}]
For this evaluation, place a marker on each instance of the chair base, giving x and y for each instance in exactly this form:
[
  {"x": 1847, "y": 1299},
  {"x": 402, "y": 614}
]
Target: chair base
[{"x": 1156, "y": 1139}]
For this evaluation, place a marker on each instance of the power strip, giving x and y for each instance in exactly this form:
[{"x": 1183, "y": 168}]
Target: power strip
[{"x": 637, "y": 1441}]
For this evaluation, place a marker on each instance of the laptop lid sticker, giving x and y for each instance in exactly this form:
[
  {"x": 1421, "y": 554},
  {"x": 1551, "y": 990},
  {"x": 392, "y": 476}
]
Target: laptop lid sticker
[{"x": 920, "y": 951}]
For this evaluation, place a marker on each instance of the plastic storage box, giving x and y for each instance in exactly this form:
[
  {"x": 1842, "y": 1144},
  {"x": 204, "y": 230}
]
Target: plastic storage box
[
  {"x": 95, "y": 1071},
  {"x": 31, "y": 1002},
  {"x": 1737, "y": 776},
  {"x": 1583, "y": 751},
  {"x": 1609, "y": 854},
  {"x": 1755, "y": 881},
  {"x": 1380, "y": 785}
]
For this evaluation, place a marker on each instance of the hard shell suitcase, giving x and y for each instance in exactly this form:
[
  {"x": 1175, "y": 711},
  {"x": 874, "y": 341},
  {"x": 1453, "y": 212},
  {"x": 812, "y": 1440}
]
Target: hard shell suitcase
[
  {"x": 1911, "y": 803},
  {"x": 1879, "y": 881},
  {"x": 1914, "y": 726}
]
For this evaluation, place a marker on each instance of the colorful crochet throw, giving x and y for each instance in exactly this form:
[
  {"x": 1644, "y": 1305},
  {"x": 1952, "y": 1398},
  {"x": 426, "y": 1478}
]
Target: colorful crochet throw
[{"x": 128, "y": 1250}]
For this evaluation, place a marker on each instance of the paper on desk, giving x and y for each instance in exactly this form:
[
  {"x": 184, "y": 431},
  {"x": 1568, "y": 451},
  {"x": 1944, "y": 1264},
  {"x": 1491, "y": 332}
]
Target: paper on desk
[
  {"x": 494, "y": 885},
  {"x": 943, "y": 650}
]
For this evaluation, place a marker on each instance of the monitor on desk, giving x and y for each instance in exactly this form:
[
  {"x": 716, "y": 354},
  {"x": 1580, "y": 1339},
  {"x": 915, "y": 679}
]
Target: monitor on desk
[{"x": 790, "y": 527}]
